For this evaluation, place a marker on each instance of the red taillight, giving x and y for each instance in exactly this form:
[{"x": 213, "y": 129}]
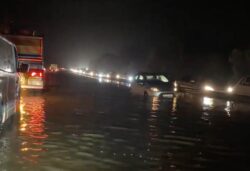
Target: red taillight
[
  {"x": 33, "y": 74},
  {"x": 36, "y": 73}
]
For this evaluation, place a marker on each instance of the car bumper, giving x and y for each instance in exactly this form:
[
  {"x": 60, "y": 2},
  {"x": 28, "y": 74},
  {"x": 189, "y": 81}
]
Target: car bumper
[
  {"x": 35, "y": 87},
  {"x": 33, "y": 83}
]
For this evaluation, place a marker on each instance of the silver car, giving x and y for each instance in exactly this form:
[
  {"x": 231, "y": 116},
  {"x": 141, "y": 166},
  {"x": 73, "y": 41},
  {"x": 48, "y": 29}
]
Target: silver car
[
  {"x": 152, "y": 84},
  {"x": 9, "y": 81}
]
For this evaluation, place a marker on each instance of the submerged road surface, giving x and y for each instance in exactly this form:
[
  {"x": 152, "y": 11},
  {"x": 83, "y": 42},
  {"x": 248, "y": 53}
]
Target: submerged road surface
[{"x": 81, "y": 124}]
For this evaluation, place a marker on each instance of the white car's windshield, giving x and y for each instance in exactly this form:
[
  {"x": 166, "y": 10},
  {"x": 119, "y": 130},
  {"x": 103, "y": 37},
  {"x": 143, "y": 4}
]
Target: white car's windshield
[{"x": 161, "y": 78}]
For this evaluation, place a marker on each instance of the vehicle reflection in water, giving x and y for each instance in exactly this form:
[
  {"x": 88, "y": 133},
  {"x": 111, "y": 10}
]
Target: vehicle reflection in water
[
  {"x": 152, "y": 119},
  {"x": 155, "y": 104},
  {"x": 174, "y": 105},
  {"x": 32, "y": 128}
]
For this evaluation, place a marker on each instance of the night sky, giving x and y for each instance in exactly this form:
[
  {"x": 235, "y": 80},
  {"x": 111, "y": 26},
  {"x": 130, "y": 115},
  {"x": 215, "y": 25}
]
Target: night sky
[{"x": 81, "y": 31}]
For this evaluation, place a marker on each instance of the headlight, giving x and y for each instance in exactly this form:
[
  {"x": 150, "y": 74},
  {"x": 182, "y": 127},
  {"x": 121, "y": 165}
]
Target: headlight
[
  {"x": 175, "y": 84},
  {"x": 230, "y": 89},
  {"x": 100, "y": 75},
  {"x": 208, "y": 101},
  {"x": 208, "y": 88},
  {"x": 130, "y": 78},
  {"x": 154, "y": 89}
]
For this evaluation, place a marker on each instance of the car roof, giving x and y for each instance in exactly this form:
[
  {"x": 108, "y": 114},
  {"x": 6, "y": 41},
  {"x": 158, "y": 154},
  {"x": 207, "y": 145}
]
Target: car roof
[
  {"x": 7, "y": 41},
  {"x": 151, "y": 73}
]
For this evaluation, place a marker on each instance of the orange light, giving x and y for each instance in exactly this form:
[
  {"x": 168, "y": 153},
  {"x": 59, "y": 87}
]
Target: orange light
[{"x": 40, "y": 74}]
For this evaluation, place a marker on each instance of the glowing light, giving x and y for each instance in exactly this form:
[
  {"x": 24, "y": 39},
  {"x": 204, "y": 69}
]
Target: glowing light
[
  {"x": 175, "y": 84},
  {"x": 117, "y": 76},
  {"x": 100, "y": 75},
  {"x": 8, "y": 70},
  {"x": 154, "y": 89},
  {"x": 32, "y": 118},
  {"x": 155, "y": 103},
  {"x": 130, "y": 78},
  {"x": 175, "y": 89},
  {"x": 33, "y": 74},
  {"x": 91, "y": 74},
  {"x": 208, "y": 88},
  {"x": 208, "y": 101},
  {"x": 108, "y": 76},
  {"x": 230, "y": 89}
]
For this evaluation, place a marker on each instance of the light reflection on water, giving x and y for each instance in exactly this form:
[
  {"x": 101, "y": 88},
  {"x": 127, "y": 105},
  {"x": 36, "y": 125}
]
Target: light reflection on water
[
  {"x": 32, "y": 128},
  {"x": 152, "y": 135}
]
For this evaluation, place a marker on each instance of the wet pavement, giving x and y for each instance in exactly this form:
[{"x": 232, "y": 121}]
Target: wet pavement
[{"x": 81, "y": 124}]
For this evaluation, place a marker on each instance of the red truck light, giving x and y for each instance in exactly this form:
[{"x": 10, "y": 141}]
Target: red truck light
[{"x": 36, "y": 72}]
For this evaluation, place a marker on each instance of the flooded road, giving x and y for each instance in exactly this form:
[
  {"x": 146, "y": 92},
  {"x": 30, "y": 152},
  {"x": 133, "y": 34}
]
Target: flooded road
[{"x": 81, "y": 124}]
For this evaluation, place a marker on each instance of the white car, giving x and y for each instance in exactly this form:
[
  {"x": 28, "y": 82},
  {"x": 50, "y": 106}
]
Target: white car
[
  {"x": 151, "y": 84},
  {"x": 241, "y": 88},
  {"x": 9, "y": 80}
]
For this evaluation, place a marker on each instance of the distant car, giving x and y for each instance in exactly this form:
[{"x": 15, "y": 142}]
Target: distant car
[
  {"x": 53, "y": 68},
  {"x": 9, "y": 81},
  {"x": 241, "y": 88},
  {"x": 190, "y": 85},
  {"x": 34, "y": 78},
  {"x": 187, "y": 84},
  {"x": 152, "y": 84}
]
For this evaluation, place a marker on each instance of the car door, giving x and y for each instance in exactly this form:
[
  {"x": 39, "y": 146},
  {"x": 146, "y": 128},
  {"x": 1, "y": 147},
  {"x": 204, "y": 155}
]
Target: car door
[
  {"x": 12, "y": 80},
  {"x": 4, "y": 80}
]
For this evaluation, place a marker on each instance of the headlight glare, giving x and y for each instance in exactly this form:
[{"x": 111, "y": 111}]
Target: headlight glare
[
  {"x": 154, "y": 89},
  {"x": 208, "y": 88},
  {"x": 230, "y": 89}
]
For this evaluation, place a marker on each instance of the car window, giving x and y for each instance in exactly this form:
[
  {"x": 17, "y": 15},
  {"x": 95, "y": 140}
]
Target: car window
[
  {"x": 35, "y": 66},
  {"x": 7, "y": 61},
  {"x": 141, "y": 78},
  {"x": 150, "y": 77},
  {"x": 162, "y": 78}
]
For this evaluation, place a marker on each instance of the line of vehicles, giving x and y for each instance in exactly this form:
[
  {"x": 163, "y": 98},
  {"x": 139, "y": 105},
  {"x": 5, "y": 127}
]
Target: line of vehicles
[
  {"x": 159, "y": 84},
  {"x": 21, "y": 66},
  {"x": 29, "y": 51}
]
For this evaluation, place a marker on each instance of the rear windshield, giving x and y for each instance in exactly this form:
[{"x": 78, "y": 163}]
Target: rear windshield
[{"x": 35, "y": 66}]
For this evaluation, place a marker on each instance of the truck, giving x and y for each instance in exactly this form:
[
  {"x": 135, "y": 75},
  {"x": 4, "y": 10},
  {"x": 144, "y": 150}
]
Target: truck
[{"x": 30, "y": 52}]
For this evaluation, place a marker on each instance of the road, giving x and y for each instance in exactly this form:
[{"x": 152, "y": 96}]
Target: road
[{"x": 81, "y": 124}]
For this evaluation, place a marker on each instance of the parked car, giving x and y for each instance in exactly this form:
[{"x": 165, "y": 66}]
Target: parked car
[
  {"x": 9, "y": 80},
  {"x": 152, "y": 84}
]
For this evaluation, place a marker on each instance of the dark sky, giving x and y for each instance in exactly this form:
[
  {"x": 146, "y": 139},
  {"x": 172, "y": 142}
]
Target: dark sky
[{"x": 78, "y": 31}]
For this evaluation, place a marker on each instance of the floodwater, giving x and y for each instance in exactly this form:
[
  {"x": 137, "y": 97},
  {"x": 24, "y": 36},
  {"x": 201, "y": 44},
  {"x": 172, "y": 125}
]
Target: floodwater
[{"x": 85, "y": 125}]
